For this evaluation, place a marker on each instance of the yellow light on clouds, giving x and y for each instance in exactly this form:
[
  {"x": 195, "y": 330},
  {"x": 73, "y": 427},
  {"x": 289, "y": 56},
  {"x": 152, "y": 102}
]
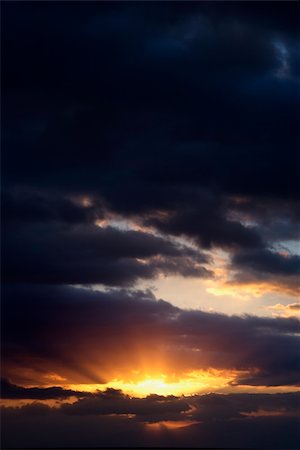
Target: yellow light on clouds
[{"x": 189, "y": 384}]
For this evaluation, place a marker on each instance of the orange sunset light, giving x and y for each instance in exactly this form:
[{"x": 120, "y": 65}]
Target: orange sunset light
[{"x": 190, "y": 383}]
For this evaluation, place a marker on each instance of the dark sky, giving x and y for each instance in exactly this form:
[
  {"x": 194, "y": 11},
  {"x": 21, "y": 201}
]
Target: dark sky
[{"x": 150, "y": 223}]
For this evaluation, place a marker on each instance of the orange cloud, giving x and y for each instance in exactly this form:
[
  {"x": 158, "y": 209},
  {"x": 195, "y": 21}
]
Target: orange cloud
[{"x": 290, "y": 310}]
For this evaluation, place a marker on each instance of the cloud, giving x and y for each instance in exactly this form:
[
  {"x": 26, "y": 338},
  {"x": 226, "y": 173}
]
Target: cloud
[
  {"x": 155, "y": 408},
  {"x": 294, "y": 306},
  {"x": 177, "y": 117},
  {"x": 273, "y": 218},
  {"x": 86, "y": 254},
  {"x": 151, "y": 409},
  {"x": 179, "y": 132},
  {"x": 265, "y": 261},
  {"x": 208, "y": 225},
  {"x": 12, "y": 391},
  {"x": 118, "y": 331},
  {"x": 272, "y": 418},
  {"x": 23, "y": 206},
  {"x": 292, "y": 309},
  {"x": 277, "y": 271}
]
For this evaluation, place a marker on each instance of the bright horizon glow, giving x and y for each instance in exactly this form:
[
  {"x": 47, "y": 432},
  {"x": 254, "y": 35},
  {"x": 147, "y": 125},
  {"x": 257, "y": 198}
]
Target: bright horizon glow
[{"x": 191, "y": 383}]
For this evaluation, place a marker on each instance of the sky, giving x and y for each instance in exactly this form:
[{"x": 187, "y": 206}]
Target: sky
[{"x": 150, "y": 224}]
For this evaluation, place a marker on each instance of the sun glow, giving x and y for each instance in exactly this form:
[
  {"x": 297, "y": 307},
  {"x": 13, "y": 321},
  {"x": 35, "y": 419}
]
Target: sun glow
[
  {"x": 191, "y": 383},
  {"x": 154, "y": 386}
]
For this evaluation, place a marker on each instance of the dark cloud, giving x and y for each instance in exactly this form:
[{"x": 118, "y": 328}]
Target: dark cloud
[
  {"x": 155, "y": 408},
  {"x": 111, "y": 328},
  {"x": 12, "y": 391},
  {"x": 81, "y": 254},
  {"x": 279, "y": 269},
  {"x": 214, "y": 415},
  {"x": 150, "y": 409},
  {"x": 144, "y": 108},
  {"x": 265, "y": 261},
  {"x": 209, "y": 226},
  {"x": 198, "y": 102},
  {"x": 274, "y": 219},
  {"x": 214, "y": 407},
  {"x": 21, "y": 206}
]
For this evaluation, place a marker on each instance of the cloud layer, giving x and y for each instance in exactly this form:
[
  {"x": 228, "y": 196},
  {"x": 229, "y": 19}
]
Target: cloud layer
[
  {"x": 120, "y": 331},
  {"x": 271, "y": 419}
]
